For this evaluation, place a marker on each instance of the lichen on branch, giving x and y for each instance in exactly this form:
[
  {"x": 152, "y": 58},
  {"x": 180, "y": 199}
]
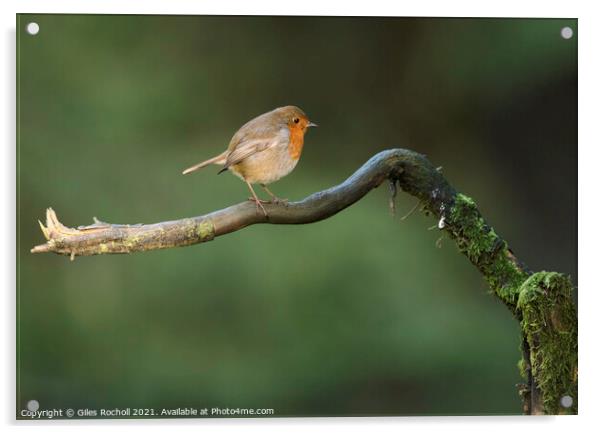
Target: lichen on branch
[{"x": 103, "y": 238}]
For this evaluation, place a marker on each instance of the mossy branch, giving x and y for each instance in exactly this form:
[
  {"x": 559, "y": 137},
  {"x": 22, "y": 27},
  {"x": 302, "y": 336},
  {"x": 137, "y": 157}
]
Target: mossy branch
[{"x": 541, "y": 302}]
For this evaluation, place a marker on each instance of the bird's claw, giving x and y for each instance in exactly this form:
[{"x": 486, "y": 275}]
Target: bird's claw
[
  {"x": 259, "y": 204},
  {"x": 252, "y": 199},
  {"x": 275, "y": 200}
]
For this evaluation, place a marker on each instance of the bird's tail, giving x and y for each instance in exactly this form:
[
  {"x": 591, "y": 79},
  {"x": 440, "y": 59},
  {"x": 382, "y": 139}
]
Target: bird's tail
[{"x": 220, "y": 159}]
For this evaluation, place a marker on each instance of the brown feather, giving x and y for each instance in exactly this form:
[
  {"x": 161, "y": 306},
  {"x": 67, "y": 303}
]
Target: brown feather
[{"x": 219, "y": 159}]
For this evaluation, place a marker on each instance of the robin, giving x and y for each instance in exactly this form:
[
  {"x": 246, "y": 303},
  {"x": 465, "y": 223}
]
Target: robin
[{"x": 264, "y": 150}]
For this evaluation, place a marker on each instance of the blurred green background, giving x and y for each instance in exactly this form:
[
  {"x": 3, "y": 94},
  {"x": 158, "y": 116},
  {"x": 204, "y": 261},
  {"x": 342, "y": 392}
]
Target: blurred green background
[{"x": 360, "y": 314}]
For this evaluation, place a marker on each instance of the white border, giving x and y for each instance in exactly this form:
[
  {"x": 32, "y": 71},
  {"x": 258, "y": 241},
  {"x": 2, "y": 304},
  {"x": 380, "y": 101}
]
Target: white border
[
  {"x": 590, "y": 98},
  {"x": 511, "y": 8}
]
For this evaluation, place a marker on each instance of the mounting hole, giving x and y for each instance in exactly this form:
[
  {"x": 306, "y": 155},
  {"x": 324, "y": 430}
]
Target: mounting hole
[
  {"x": 33, "y": 28},
  {"x": 566, "y": 401},
  {"x": 33, "y": 405},
  {"x": 566, "y": 33}
]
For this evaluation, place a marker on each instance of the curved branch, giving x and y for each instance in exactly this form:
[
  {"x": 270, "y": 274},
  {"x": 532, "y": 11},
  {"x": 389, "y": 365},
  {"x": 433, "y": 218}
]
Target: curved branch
[
  {"x": 102, "y": 238},
  {"x": 541, "y": 301}
]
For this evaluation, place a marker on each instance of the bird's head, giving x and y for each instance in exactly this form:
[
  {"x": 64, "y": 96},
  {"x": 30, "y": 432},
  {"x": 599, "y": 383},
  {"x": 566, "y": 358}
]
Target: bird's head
[{"x": 294, "y": 118}]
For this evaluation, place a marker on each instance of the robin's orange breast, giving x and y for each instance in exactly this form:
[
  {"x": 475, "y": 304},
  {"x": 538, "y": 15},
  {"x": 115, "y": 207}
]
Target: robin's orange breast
[{"x": 295, "y": 145}]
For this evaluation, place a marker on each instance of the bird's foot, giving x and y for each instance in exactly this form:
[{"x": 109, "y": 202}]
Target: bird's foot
[
  {"x": 252, "y": 199},
  {"x": 259, "y": 204}
]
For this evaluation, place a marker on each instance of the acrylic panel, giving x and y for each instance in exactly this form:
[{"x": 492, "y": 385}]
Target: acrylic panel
[{"x": 456, "y": 296}]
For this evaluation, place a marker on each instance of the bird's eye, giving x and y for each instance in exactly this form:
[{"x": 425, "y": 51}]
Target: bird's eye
[{"x": 296, "y": 120}]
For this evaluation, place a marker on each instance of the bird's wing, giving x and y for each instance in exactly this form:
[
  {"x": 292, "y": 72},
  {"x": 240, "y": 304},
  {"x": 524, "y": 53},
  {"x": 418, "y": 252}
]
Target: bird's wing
[
  {"x": 245, "y": 149},
  {"x": 248, "y": 146}
]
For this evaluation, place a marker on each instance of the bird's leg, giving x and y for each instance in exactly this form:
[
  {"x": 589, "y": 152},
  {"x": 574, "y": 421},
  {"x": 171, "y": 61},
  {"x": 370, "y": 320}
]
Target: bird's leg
[
  {"x": 275, "y": 199},
  {"x": 256, "y": 199}
]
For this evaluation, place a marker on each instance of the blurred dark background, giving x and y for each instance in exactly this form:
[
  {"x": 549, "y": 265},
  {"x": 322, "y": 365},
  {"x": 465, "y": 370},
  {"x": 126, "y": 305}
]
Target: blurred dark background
[{"x": 360, "y": 314}]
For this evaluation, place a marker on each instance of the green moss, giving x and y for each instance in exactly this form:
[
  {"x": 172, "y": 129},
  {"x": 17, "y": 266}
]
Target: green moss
[
  {"x": 522, "y": 368},
  {"x": 541, "y": 302},
  {"x": 549, "y": 322},
  {"x": 476, "y": 237},
  {"x": 485, "y": 249}
]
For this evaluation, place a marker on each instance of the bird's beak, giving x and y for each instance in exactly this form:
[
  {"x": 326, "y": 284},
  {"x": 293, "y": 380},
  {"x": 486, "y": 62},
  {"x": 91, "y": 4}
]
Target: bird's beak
[{"x": 311, "y": 124}]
